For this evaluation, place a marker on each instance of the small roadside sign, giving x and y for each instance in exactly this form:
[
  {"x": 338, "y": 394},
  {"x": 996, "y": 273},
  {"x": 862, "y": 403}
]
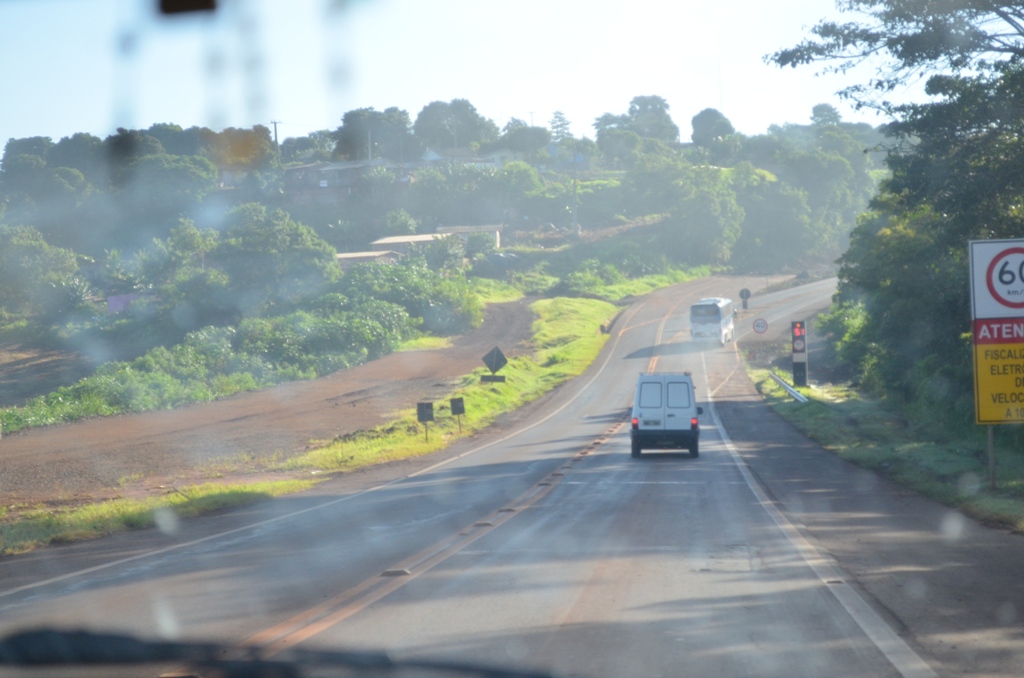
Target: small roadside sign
[
  {"x": 458, "y": 409},
  {"x": 458, "y": 406},
  {"x": 424, "y": 412},
  {"x": 495, "y": 360},
  {"x": 425, "y": 415},
  {"x": 760, "y": 325}
]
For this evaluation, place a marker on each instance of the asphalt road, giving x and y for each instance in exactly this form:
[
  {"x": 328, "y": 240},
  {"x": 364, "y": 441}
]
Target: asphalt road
[{"x": 542, "y": 545}]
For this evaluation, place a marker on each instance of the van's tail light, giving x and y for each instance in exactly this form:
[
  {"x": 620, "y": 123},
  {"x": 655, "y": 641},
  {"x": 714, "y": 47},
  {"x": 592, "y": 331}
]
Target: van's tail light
[
  {"x": 693, "y": 424},
  {"x": 636, "y": 424}
]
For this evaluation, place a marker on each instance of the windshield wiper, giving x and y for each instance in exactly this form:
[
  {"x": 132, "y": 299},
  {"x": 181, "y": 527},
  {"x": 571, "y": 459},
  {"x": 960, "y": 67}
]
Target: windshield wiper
[{"x": 52, "y": 647}]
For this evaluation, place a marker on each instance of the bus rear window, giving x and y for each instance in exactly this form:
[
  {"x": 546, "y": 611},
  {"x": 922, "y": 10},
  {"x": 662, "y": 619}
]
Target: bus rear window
[{"x": 704, "y": 312}]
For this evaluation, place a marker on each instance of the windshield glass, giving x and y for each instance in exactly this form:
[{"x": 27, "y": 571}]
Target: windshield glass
[{"x": 321, "y": 325}]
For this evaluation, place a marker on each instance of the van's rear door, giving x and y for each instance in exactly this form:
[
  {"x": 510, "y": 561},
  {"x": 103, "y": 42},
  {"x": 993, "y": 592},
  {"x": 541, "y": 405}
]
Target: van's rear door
[
  {"x": 679, "y": 405},
  {"x": 650, "y": 406}
]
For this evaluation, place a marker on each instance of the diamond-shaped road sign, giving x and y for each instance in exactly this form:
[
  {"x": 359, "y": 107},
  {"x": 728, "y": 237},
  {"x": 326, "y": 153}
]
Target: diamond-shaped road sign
[{"x": 495, "y": 360}]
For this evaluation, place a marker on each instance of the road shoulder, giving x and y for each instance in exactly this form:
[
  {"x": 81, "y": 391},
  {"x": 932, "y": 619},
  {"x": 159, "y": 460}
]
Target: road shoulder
[{"x": 951, "y": 584}]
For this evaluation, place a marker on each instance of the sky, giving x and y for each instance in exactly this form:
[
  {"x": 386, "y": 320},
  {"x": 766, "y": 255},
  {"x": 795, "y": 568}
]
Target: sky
[{"x": 95, "y": 65}]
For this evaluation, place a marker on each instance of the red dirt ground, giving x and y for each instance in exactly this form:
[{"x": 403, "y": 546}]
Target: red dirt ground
[{"x": 133, "y": 455}]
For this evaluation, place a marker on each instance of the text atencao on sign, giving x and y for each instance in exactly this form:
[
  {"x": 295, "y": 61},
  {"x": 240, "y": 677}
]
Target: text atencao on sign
[{"x": 997, "y": 311}]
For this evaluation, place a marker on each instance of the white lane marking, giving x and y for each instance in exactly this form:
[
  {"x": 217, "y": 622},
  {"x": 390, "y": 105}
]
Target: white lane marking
[
  {"x": 333, "y": 502},
  {"x": 900, "y": 655}
]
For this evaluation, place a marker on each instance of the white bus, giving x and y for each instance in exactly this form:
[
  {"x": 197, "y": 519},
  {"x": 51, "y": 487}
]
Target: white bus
[{"x": 712, "y": 319}]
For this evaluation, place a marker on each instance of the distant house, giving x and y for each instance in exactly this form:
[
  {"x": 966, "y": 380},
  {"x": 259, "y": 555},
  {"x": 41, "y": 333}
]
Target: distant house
[
  {"x": 402, "y": 243},
  {"x": 333, "y": 182},
  {"x": 495, "y": 159},
  {"x": 493, "y": 230},
  {"x": 349, "y": 259},
  {"x": 500, "y": 157}
]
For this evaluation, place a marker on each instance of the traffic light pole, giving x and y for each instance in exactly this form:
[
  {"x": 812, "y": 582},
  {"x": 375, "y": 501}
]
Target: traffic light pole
[{"x": 798, "y": 336}]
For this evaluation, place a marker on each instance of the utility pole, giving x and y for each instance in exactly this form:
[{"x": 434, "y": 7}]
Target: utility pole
[
  {"x": 275, "y": 123},
  {"x": 575, "y": 222}
]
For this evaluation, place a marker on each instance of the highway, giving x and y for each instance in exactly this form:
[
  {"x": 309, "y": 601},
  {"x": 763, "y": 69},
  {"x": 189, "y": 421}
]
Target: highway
[{"x": 543, "y": 546}]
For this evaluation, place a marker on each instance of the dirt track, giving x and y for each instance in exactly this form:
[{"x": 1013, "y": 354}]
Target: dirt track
[{"x": 136, "y": 454}]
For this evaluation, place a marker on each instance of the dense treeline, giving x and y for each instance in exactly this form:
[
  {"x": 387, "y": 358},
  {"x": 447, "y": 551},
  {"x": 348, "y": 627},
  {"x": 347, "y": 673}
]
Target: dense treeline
[
  {"x": 222, "y": 275},
  {"x": 903, "y": 310},
  {"x": 95, "y": 196}
]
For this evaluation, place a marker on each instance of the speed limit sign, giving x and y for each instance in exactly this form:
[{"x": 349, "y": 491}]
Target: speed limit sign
[
  {"x": 997, "y": 278},
  {"x": 760, "y": 325},
  {"x": 1005, "y": 277}
]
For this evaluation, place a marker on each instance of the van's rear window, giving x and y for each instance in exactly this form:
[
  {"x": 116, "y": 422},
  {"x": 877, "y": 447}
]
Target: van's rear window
[
  {"x": 678, "y": 394},
  {"x": 650, "y": 394}
]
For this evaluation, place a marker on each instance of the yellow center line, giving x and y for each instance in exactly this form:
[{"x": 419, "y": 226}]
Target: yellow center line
[{"x": 323, "y": 616}]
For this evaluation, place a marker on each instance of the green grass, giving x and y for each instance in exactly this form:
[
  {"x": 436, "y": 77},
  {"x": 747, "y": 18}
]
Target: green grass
[
  {"x": 567, "y": 339},
  {"x": 425, "y": 343},
  {"x": 953, "y": 471},
  {"x": 494, "y": 291},
  {"x": 48, "y": 526},
  {"x": 639, "y": 286}
]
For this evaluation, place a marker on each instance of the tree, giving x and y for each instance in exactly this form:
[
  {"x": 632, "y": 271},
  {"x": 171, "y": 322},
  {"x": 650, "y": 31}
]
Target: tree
[
  {"x": 186, "y": 248},
  {"x": 366, "y": 133},
  {"x": 82, "y": 152},
  {"x": 22, "y": 178},
  {"x": 31, "y": 270},
  {"x": 455, "y": 124},
  {"x": 445, "y": 254},
  {"x": 777, "y": 232},
  {"x": 318, "y": 145},
  {"x": 620, "y": 147},
  {"x": 129, "y": 145},
  {"x": 244, "y": 149},
  {"x": 560, "y": 127},
  {"x": 295, "y": 149},
  {"x": 398, "y": 222},
  {"x": 912, "y": 37},
  {"x": 955, "y": 177},
  {"x": 527, "y": 140},
  {"x": 649, "y": 118},
  {"x": 171, "y": 182},
  {"x": 513, "y": 124},
  {"x": 609, "y": 122},
  {"x": 269, "y": 258},
  {"x": 709, "y": 126},
  {"x": 825, "y": 115},
  {"x": 38, "y": 146}
]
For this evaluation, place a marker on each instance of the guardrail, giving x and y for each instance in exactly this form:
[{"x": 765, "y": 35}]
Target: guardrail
[{"x": 799, "y": 397}]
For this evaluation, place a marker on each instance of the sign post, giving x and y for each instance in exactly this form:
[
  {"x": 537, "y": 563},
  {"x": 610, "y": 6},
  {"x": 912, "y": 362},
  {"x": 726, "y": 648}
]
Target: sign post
[{"x": 997, "y": 335}]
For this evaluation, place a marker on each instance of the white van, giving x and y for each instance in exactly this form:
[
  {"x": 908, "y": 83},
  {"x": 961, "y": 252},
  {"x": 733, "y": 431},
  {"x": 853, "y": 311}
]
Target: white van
[{"x": 665, "y": 413}]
